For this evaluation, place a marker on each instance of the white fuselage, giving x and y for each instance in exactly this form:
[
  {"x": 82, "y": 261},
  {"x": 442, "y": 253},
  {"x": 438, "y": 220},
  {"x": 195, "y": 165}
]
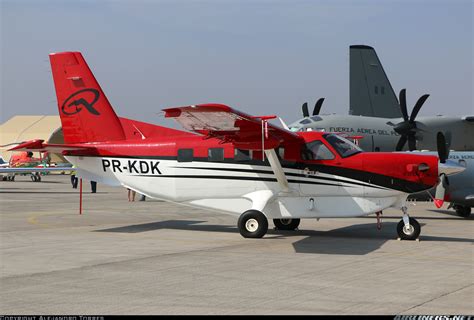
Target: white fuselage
[{"x": 234, "y": 188}]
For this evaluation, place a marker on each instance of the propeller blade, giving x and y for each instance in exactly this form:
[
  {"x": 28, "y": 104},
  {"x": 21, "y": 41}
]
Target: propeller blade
[
  {"x": 401, "y": 143},
  {"x": 442, "y": 147},
  {"x": 403, "y": 103},
  {"x": 440, "y": 191},
  {"x": 417, "y": 107},
  {"x": 411, "y": 142},
  {"x": 317, "y": 106},
  {"x": 305, "y": 110}
]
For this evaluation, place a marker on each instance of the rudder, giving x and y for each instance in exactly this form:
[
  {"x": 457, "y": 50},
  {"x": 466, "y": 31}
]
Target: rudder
[
  {"x": 86, "y": 114},
  {"x": 371, "y": 93}
]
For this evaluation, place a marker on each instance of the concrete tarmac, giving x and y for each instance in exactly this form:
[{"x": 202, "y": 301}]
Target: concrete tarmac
[{"x": 155, "y": 257}]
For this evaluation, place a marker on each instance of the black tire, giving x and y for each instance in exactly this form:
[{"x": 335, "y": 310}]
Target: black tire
[
  {"x": 286, "y": 224},
  {"x": 252, "y": 224},
  {"x": 412, "y": 234},
  {"x": 462, "y": 211}
]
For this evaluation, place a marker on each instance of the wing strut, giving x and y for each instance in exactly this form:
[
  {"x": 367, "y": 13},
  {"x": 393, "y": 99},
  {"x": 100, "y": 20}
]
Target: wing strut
[{"x": 277, "y": 169}]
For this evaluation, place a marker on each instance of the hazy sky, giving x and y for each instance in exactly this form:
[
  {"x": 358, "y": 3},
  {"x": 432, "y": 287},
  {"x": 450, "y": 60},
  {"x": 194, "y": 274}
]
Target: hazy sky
[{"x": 262, "y": 57}]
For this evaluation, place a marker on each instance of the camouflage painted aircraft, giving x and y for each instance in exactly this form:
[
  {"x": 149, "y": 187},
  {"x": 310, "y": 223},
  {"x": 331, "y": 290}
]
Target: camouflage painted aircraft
[{"x": 382, "y": 121}]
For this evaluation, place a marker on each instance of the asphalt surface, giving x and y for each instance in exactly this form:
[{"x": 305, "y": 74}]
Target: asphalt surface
[{"x": 155, "y": 257}]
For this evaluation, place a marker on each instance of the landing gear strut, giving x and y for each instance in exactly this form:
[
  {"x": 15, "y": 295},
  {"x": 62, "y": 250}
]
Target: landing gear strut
[
  {"x": 252, "y": 224},
  {"x": 286, "y": 224},
  {"x": 35, "y": 177},
  {"x": 463, "y": 211},
  {"x": 408, "y": 228}
]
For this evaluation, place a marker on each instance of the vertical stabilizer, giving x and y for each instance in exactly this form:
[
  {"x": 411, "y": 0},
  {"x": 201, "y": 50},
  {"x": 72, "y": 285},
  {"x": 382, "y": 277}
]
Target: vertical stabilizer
[
  {"x": 371, "y": 94},
  {"x": 86, "y": 114}
]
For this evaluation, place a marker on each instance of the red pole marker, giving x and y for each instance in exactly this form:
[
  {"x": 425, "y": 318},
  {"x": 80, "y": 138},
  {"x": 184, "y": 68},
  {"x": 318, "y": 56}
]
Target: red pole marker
[{"x": 80, "y": 196}]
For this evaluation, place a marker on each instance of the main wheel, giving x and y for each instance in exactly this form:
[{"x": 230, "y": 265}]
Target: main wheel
[
  {"x": 286, "y": 224},
  {"x": 463, "y": 211},
  {"x": 252, "y": 224},
  {"x": 410, "y": 233}
]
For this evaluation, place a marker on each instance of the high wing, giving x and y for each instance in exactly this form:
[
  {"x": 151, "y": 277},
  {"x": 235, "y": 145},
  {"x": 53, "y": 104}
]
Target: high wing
[
  {"x": 229, "y": 125},
  {"x": 39, "y": 146},
  {"x": 244, "y": 131}
]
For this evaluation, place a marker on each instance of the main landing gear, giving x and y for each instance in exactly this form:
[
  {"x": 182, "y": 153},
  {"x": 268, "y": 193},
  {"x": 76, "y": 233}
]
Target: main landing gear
[
  {"x": 35, "y": 177},
  {"x": 463, "y": 211},
  {"x": 252, "y": 224},
  {"x": 286, "y": 224},
  {"x": 408, "y": 228}
]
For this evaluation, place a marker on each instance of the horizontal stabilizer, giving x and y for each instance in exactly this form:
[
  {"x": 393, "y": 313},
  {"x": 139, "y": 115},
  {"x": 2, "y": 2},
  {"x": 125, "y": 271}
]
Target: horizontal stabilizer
[{"x": 39, "y": 146}]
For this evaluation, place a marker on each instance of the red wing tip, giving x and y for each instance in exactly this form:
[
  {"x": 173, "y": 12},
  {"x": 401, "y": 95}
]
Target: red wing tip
[{"x": 438, "y": 203}]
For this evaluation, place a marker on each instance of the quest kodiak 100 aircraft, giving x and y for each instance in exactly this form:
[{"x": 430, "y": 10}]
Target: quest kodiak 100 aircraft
[
  {"x": 231, "y": 162},
  {"x": 382, "y": 121}
]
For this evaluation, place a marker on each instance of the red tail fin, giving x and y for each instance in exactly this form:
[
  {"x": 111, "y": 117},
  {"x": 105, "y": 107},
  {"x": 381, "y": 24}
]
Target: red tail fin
[{"x": 86, "y": 114}]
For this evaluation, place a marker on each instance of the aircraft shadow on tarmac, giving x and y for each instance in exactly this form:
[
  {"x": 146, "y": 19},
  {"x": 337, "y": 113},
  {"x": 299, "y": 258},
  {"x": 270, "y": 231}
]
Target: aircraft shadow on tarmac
[{"x": 358, "y": 239}]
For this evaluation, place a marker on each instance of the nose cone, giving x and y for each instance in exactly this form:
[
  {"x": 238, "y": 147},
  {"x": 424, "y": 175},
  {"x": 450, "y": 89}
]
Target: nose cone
[{"x": 450, "y": 168}]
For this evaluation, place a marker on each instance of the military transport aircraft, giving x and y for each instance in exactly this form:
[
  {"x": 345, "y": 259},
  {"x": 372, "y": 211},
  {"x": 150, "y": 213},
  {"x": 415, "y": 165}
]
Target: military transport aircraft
[
  {"x": 383, "y": 121},
  {"x": 233, "y": 162}
]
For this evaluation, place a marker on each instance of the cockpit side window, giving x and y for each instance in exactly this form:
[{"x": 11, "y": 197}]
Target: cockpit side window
[
  {"x": 305, "y": 121},
  {"x": 344, "y": 147},
  {"x": 316, "y": 150}
]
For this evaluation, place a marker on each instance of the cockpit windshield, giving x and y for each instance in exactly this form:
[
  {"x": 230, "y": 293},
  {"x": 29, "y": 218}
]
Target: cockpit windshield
[{"x": 344, "y": 147}]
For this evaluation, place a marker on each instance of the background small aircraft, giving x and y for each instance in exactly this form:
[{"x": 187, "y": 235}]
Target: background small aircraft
[
  {"x": 384, "y": 122},
  {"x": 23, "y": 162}
]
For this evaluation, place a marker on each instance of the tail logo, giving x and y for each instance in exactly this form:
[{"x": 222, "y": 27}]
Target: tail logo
[{"x": 85, "y": 97}]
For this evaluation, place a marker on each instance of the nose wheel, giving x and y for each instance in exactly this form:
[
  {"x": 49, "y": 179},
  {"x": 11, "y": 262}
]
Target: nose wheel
[
  {"x": 252, "y": 224},
  {"x": 408, "y": 228}
]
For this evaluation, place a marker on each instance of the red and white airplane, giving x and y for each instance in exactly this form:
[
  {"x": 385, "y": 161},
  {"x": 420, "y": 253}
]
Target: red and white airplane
[{"x": 221, "y": 165}]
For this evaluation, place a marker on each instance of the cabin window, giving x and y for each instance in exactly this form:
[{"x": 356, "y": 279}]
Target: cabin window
[
  {"x": 316, "y": 150},
  {"x": 344, "y": 147},
  {"x": 382, "y": 90},
  {"x": 242, "y": 155},
  {"x": 376, "y": 90},
  {"x": 185, "y": 155},
  {"x": 215, "y": 154},
  {"x": 281, "y": 153}
]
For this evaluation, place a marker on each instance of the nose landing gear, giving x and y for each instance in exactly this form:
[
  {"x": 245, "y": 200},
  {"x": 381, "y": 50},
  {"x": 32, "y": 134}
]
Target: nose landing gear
[{"x": 408, "y": 228}]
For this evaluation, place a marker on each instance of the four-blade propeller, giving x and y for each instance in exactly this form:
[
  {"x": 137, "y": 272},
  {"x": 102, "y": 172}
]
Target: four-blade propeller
[
  {"x": 316, "y": 110},
  {"x": 408, "y": 127}
]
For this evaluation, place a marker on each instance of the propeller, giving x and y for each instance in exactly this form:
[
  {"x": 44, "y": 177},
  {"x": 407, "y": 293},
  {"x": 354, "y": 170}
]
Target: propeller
[
  {"x": 317, "y": 106},
  {"x": 305, "y": 110},
  {"x": 408, "y": 128},
  {"x": 443, "y": 154},
  {"x": 316, "y": 110}
]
